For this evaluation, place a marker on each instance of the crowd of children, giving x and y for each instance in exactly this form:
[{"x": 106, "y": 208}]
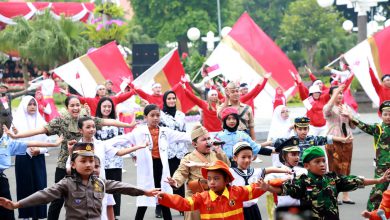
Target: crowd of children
[{"x": 215, "y": 180}]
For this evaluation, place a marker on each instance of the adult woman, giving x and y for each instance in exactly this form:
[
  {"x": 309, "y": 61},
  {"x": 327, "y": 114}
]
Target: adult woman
[
  {"x": 154, "y": 159},
  {"x": 339, "y": 154},
  {"x": 67, "y": 126},
  {"x": 113, "y": 166},
  {"x": 175, "y": 120},
  {"x": 30, "y": 169},
  {"x": 280, "y": 128}
]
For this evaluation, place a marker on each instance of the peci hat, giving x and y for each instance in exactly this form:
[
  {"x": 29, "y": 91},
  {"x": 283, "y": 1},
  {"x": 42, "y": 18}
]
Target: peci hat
[
  {"x": 218, "y": 165},
  {"x": 228, "y": 111},
  {"x": 239, "y": 146},
  {"x": 384, "y": 106},
  {"x": 312, "y": 153},
  {"x": 198, "y": 131},
  {"x": 83, "y": 149},
  {"x": 302, "y": 122}
]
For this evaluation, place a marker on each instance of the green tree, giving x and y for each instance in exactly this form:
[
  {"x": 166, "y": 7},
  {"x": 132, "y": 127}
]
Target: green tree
[
  {"x": 44, "y": 40},
  {"x": 305, "y": 25},
  {"x": 170, "y": 19}
]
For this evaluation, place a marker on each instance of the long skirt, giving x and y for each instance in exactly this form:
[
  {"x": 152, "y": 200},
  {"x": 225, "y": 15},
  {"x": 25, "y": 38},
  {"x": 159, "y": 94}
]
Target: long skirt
[
  {"x": 31, "y": 177},
  {"x": 339, "y": 157}
]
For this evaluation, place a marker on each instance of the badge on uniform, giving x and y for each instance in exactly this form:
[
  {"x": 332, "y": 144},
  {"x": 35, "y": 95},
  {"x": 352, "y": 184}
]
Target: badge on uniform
[
  {"x": 97, "y": 187},
  {"x": 232, "y": 203},
  {"x": 77, "y": 201},
  {"x": 309, "y": 188}
]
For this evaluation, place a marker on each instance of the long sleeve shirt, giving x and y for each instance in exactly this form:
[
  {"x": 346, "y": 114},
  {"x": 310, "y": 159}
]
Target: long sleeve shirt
[
  {"x": 81, "y": 201},
  {"x": 93, "y": 102},
  {"x": 210, "y": 118},
  {"x": 228, "y": 206},
  {"x": 8, "y": 148},
  {"x": 382, "y": 91},
  {"x": 250, "y": 96}
]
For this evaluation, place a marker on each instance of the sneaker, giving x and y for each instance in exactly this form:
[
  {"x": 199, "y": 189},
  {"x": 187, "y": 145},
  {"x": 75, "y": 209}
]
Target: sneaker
[
  {"x": 47, "y": 154},
  {"x": 258, "y": 160}
]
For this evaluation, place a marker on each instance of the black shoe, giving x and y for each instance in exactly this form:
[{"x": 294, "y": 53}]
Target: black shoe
[
  {"x": 158, "y": 211},
  {"x": 349, "y": 202},
  {"x": 339, "y": 202},
  {"x": 182, "y": 213}
]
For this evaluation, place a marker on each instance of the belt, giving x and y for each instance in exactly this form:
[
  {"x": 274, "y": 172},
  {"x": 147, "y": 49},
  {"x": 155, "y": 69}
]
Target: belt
[{"x": 5, "y": 114}]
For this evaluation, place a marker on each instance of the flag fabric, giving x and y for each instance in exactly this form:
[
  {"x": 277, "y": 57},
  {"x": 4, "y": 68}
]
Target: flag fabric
[
  {"x": 89, "y": 70},
  {"x": 373, "y": 52},
  {"x": 246, "y": 54},
  {"x": 168, "y": 71}
]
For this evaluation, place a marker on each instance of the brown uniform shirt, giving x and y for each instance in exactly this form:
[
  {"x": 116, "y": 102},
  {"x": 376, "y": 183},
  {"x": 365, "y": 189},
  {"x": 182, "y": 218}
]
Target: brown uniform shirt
[
  {"x": 247, "y": 116},
  {"x": 81, "y": 201}
]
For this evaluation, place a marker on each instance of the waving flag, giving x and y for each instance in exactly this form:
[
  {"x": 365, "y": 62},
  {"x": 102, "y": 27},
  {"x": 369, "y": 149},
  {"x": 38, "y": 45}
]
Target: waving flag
[
  {"x": 374, "y": 51},
  {"x": 89, "y": 70},
  {"x": 246, "y": 54},
  {"x": 168, "y": 71}
]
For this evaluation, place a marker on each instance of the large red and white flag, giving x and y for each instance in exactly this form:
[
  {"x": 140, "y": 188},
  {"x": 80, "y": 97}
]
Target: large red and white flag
[
  {"x": 168, "y": 71},
  {"x": 246, "y": 54},
  {"x": 374, "y": 52},
  {"x": 89, "y": 70}
]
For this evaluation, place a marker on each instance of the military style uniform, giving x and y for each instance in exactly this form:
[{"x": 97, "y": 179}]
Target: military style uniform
[
  {"x": 320, "y": 192},
  {"x": 246, "y": 113},
  {"x": 185, "y": 174},
  {"x": 381, "y": 133},
  {"x": 81, "y": 201}
]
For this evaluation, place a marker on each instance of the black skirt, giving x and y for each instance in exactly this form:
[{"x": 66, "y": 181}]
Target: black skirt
[{"x": 251, "y": 213}]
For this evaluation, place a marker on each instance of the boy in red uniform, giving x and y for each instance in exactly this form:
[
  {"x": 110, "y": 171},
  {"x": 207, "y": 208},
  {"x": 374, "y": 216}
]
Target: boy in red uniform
[
  {"x": 384, "y": 208},
  {"x": 222, "y": 201}
]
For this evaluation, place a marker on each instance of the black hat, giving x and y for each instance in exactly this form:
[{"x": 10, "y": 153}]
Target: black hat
[
  {"x": 287, "y": 144},
  {"x": 83, "y": 149},
  {"x": 384, "y": 106},
  {"x": 302, "y": 122}
]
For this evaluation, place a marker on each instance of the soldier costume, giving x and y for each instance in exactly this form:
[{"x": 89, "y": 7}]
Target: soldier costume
[
  {"x": 320, "y": 192},
  {"x": 381, "y": 133}
]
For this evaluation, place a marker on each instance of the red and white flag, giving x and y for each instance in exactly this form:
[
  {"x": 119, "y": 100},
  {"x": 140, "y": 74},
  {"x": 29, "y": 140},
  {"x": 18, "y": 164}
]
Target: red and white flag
[
  {"x": 89, "y": 70},
  {"x": 246, "y": 54},
  {"x": 168, "y": 71},
  {"x": 374, "y": 52}
]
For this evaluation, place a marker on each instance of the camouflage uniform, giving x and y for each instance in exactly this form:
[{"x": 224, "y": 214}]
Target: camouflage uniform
[
  {"x": 381, "y": 133},
  {"x": 320, "y": 192}
]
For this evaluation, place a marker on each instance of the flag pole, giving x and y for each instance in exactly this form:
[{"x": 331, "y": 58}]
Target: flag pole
[{"x": 334, "y": 61}]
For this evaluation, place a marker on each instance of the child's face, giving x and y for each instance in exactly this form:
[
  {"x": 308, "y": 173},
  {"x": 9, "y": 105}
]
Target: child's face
[
  {"x": 88, "y": 130},
  {"x": 84, "y": 165},
  {"x": 243, "y": 158},
  {"x": 202, "y": 144},
  {"x": 216, "y": 181},
  {"x": 231, "y": 121},
  {"x": 153, "y": 118},
  {"x": 96, "y": 169},
  {"x": 301, "y": 132},
  {"x": 317, "y": 166},
  {"x": 32, "y": 107},
  {"x": 292, "y": 158},
  {"x": 386, "y": 116},
  {"x": 386, "y": 82}
]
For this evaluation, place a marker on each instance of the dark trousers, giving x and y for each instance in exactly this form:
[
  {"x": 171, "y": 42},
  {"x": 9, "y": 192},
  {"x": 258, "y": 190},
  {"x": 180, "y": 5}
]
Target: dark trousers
[
  {"x": 173, "y": 165},
  {"x": 115, "y": 174},
  {"x": 4, "y": 192},
  {"x": 157, "y": 174},
  {"x": 56, "y": 205}
]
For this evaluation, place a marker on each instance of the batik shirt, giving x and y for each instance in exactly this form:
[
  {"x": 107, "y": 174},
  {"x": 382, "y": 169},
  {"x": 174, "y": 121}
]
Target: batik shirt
[
  {"x": 106, "y": 133},
  {"x": 320, "y": 192}
]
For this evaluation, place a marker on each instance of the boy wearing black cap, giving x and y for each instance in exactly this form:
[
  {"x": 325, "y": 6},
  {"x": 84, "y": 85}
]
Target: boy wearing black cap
[
  {"x": 319, "y": 189},
  {"x": 381, "y": 133}
]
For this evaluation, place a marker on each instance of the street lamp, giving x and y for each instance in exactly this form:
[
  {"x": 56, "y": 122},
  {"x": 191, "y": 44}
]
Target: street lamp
[
  {"x": 348, "y": 25},
  {"x": 193, "y": 34},
  {"x": 325, "y": 3}
]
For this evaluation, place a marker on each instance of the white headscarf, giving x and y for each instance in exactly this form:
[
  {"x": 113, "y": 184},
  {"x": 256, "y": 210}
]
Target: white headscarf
[
  {"x": 23, "y": 121},
  {"x": 279, "y": 128}
]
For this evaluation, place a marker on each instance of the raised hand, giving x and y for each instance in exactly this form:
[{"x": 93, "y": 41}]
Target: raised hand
[
  {"x": 8, "y": 204},
  {"x": 15, "y": 130},
  {"x": 366, "y": 214},
  {"x": 8, "y": 132},
  {"x": 385, "y": 177},
  {"x": 267, "y": 75},
  {"x": 171, "y": 181},
  {"x": 71, "y": 143},
  {"x": 87, "y": 108},
  {"x": 60, "y": 139}
]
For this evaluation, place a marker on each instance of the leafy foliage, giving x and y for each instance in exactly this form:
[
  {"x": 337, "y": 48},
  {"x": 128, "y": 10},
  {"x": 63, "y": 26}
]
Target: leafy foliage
[{"x": 110, "y": 9}]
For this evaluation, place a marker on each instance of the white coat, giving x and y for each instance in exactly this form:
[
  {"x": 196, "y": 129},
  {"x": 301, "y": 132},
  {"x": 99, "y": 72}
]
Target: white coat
[{"x": 145, "y": 179}]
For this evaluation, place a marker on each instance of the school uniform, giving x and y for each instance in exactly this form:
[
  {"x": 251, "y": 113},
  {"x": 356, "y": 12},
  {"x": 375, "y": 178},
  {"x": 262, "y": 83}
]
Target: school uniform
[{"x": 244, "y": 178}]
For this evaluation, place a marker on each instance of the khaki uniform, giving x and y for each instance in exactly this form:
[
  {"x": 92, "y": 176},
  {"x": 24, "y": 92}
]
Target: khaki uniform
[
  {"x": 185, "y": 174},
  {"x": 247, "y": 117},
  {"x": 81, "y": 201}
]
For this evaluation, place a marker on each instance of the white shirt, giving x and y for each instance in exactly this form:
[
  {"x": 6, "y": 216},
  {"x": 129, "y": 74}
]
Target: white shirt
[{"x": 240, "y": 181}]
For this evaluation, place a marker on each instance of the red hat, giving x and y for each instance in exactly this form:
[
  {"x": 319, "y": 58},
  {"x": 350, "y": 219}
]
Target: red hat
[
  {"x": 218, "y": 165},
  {"x": 228, "y": 111}
]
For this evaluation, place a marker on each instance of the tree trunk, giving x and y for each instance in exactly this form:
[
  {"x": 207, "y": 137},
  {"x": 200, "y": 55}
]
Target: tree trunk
[
  {"x": 311, "y": 51},
  {"x": 25, "y": 73},
  {"x": 183, "y": 47}
]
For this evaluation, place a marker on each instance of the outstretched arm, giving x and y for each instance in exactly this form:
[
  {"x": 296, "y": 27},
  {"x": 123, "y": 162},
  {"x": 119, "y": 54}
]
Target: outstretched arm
[
  {"x": 28, "y": 133},
  {"x": 375, "y": 82},
  {"x": 113, "y": 122},
  {"x": 45, "y": 144},
  {"x": 255, "y": 91}
]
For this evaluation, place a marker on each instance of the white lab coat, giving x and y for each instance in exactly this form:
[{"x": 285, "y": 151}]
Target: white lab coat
[{"x": 145, "y": 179}]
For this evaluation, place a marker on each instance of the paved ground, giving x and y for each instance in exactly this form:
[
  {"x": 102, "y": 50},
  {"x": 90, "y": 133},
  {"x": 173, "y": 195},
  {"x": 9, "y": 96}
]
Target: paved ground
[{"x": 362, "y": 165}]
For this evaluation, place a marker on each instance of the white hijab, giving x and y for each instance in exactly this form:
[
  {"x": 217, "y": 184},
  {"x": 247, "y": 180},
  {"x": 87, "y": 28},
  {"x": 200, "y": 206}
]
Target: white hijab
[
  {"x": 279, "y": 128},
  {"x": 23, "y": 121}
]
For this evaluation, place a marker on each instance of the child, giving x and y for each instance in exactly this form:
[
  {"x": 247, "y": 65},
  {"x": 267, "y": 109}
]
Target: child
[
  {"x": 230, "y": 135},
  {"x": 222, "y": 201},
  {"x": 319, "y": 189},
  {"x": 83, "y": 192},
  {"x": 384, "y": 206},
  {"x": 108, "y": 200},
  {"x": 244, "y": 175},
  {"x": 304, "y": 141},
  {"x": 381, "y": 133},
  {"x": 8, "y": 148}
]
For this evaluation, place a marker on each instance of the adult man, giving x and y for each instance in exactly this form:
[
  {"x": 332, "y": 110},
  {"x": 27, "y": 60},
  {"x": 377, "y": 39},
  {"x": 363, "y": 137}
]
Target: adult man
[
  {"x": 108, "y": 84},
  {"x": 245, "y": 112},
  {"x": 190, "y": 165}
]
